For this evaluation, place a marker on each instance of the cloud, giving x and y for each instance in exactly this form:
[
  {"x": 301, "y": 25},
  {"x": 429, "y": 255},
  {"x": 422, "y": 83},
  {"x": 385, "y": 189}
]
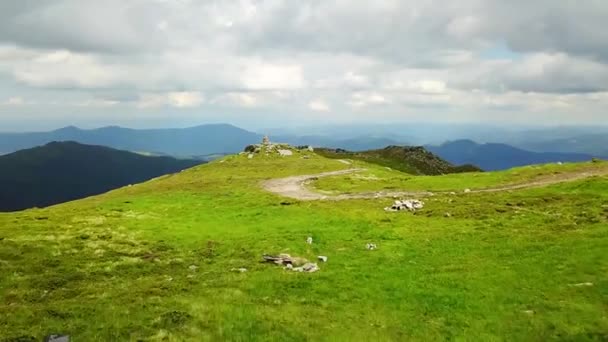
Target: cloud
[
  {"x": 184, "y": 99},
  {"x": 318, "y": 106},
  {"x": 14, "y": 101},
  {"x": 386, "y": 57}
]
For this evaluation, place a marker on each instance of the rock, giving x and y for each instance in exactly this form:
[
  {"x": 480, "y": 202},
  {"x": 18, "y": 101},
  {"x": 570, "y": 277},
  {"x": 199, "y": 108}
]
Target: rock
[
  {"x": 582, "y": 284},
  {"x": 284, "y": 153},
  {"x": 410, "y": 204},
  {"x": 322, "y": 258},
  {"x": 310, "y": 149},
  {"x": 467, "y": 190},
  {"x": 560, "y": 163},
  {"x": 250, "y": 156},
  {"x": 285, "y": 259},
  {"x": 308, "y": 267},
  {"x": 240, "y": 269},
  {"x": 447, "y": 215},
  {"x": 192, "y": 267},
  {"x": 57, "y": 338},
  {"x": 305, "y": 157},
  {"x": 309, "y": 240},
  {"x": 371, "y": 246},
  {"x": 528, "y": 312}
]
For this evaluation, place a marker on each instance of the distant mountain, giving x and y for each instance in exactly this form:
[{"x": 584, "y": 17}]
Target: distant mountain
[
  {"x": 64, "y": 171},
  {"x": 499, "y": 156},
  {"x": 200, "y": 140},
  {"x": 596, "y": 144},
  {"x": 413, "y": 160}
]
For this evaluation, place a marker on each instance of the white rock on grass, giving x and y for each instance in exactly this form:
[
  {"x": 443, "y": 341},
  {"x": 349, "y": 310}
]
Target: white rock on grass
[
  {"x": 322, "y": 258},
  {"x": 410, "y": 204},
  {"x": 308, "y": 267},
  {"x": 371, "y": 246},
  {"x": 309, "y": 240},
  {"x": 284, "y": 153}
]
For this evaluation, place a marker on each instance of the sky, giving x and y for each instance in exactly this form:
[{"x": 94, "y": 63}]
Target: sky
[{"x": 258, "y": 63}]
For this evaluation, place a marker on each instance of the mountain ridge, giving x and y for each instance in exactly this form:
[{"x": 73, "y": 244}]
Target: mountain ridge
[
  {"x": 63, "y": 171},
  {"x": 496, "y": 156}
]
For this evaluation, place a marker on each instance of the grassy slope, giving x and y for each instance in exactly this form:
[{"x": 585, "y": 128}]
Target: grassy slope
[
  {"x": 116, "y": 266},
  {"x": 376, "y": 178}
]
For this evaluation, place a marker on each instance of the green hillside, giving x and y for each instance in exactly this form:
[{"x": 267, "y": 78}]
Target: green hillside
[
  {"x": 160, "y": 261},
  {"x": 413, "y": 160}
]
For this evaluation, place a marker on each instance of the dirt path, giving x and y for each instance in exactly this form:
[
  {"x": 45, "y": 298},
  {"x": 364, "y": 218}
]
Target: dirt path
[{"x": 295, "y": 186}]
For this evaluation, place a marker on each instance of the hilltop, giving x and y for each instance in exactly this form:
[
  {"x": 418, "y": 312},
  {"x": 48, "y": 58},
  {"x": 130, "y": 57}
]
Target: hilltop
[
  {"x": 413, "y": 160},
  {"x": 180, "y": 257},
  {"x": 63, "y": 171}
]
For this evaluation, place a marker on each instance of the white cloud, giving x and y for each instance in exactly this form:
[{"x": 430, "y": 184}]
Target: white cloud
[
  {"x": 14, "y": 101},
  {"x": 318, "y": 106},
  {"x": 184, "y": 99},
  {"x": 291, "y": 58},
  {"x": 364, "y": 99},
  {"x": 266, "y": 76}
]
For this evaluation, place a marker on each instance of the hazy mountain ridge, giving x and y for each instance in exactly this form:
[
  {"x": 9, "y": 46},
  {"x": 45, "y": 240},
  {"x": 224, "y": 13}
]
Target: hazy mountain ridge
[
  {"x": 199, "y": 140},
  {"x": 494, "y": 156}
]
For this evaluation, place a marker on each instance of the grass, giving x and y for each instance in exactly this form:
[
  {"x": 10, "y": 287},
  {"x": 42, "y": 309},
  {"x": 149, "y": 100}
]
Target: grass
[
  {"x": 375, "y": 178},
  {"x": 153, "y": 261}
]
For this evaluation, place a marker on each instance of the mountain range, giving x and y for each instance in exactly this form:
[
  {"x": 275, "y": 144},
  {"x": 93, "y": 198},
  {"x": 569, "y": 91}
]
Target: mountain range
[
  {"x": 494, "y": 156},
  {"x": 206, "y": 142},
  {"x": 62, "y": 171},
  {"x": 184, "y": 142}
]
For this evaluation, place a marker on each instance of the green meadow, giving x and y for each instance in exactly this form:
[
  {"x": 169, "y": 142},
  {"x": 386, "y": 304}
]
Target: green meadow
[{"x": 157, "y": 261}]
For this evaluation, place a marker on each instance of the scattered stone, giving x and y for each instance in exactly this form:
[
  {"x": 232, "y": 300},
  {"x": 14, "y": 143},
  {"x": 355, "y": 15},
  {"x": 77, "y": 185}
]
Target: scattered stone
[
  {"x": 308, "y": 267},
  {"x": 322, "y": 258},
  {"x": 560, "y": 163},
  {"x": 57, "y": 338},
  {"x": 240, "y": 269},
  {"x": 452, "y": 193},
  {"x": 582, "y": 284},
  {"x": 309, "y": 240},
  {"x": 447, "y": 215},
  {"x": 306, "y": 157},
  {"x": 528, "y": 312},
  {"x": 310, "y": 149},
  {"x": 250, "y": 156},
  {"x": 371, "y": 246},
  {"x": 192, "y": 267},
  {"x": 467, "y": 190},
  {"x": 410, "y": 204},
  {"x": 285, "y": 259},
  {"x": 284, "y": 153}
]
